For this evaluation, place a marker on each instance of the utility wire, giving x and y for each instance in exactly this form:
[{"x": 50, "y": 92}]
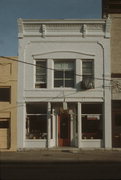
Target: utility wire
[{"x": 27, "y": 63}]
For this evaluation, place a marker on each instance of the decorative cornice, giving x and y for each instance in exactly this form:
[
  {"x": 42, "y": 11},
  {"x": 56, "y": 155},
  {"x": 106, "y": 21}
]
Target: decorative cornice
[
  {"x": 82, "y": 28},
  {"x": 20, "y": 28},
  {"x": 107, "y": 27},
  {"x": 43, "y": 30}
]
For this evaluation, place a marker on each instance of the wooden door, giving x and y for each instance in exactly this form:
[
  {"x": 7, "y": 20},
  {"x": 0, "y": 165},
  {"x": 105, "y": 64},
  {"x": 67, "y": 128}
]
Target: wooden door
[
  {"x": 116, "y": 129},
  {"x": 64, "y": 129}
]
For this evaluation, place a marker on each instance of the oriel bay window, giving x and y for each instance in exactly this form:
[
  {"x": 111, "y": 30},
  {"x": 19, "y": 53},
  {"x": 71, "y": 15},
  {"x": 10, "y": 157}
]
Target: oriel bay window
[
  {"x": 41, "y": 74},
  {"x": 36, "y": 121},
  {"x": 92, "y": 121},
  {"x": 64, "y": 73}
]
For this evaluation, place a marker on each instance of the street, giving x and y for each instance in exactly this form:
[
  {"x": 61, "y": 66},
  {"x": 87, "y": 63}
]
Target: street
[{"x": 85, "y": 170}]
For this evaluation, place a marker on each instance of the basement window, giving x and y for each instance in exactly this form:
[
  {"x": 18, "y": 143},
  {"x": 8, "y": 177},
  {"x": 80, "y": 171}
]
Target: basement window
[
  {"x": 5, "y": 94},
  {"x": 36, "y": 121},
  {"x": 91, "y": 121}
]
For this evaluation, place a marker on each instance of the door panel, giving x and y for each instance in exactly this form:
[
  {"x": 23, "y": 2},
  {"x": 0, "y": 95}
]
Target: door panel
[
  {"x": 4, "y": 133},
  {"x": 64, "y": 129}
]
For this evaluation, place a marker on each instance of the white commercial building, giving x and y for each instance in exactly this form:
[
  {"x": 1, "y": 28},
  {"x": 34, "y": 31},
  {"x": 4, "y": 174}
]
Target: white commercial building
[{"x": 64, "y": 94}]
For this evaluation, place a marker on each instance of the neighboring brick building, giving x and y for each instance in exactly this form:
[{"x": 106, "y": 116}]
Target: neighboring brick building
[
  {"x": 8, "y": 108},
  {"x": 112, "y": 9}
]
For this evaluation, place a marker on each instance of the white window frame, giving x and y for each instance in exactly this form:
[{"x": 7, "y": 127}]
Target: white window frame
[
  {"x": 89, "y": 76},
  {"x": 37, "y": 83},
  {"x": 65, "y": 61}
]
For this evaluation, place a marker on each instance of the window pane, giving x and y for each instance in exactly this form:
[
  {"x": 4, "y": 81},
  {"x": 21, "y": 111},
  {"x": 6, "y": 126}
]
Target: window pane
[
  {"x": 92, "y": 121},
  {"x": 64, "y": 74},
  {"x": 58, "y": 66},
  {"x": 41, "y": 78},
  {"x": 41, "y": 74},
  {"x": 58, "y": 74},
  {"x": 69, "y": 83},
  {"x": 58, "y": 83},
  {"x": 87, "y": 74},
  {"x": 87, "y": 67},
  {"x": 68, "y": 66},
  {"x": 36, "y": 121},
  {"x": 36, "y": 127},
  {"x": 5, "y": 94},
  {"x": 36, "y": 108},
  {"x": 4, "y": 123},
  {"x": 69, "y": 74},
  {"x": 40, "y": 85}
]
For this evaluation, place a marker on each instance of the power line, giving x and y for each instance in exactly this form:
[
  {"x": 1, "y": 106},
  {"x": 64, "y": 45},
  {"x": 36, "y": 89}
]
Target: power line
[{"x": 47, "y": 67}]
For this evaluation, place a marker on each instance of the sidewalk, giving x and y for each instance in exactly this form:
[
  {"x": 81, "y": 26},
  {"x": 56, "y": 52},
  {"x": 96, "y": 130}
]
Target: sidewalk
[{"x": 61, "y": 155}]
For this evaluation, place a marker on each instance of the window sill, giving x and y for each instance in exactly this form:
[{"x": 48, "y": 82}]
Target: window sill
[
  {"x": 35, "y": 140},
  {"x": 90, "y": 140},
  {"x": 51, "y": 89}
]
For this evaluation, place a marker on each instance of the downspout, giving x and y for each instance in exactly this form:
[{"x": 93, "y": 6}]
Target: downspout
[{"x": 103, "y": 91}]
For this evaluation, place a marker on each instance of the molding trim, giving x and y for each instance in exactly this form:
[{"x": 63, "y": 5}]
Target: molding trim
[{"x": 46, "y": 53}]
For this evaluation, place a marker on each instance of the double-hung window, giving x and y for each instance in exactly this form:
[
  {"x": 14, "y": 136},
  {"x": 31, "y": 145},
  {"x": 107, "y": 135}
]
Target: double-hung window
[
  {"x": 87, "y": 74},
  {"x": 64, "y": 73},
  {"x": 41, "y": 74}
]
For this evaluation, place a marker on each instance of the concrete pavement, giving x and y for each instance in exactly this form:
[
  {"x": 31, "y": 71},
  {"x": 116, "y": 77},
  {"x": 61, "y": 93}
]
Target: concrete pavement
[{"x": 61, "y": 155}]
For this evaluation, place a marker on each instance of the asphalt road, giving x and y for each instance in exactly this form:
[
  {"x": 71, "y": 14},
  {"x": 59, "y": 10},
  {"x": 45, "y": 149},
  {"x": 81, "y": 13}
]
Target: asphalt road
[{"x": 60, "y": 170}]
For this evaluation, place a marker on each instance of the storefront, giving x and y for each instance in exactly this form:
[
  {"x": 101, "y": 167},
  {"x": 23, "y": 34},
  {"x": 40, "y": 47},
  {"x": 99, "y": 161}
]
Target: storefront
[{"x": 57, "y": 124}]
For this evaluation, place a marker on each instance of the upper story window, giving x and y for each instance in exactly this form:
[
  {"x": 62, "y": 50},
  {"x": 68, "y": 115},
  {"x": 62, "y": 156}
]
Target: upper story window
[
  {"x": 5, "y": 94},
  {"x": 87, "y": 74},
  {"x": 41, "y": 74},
  {"x": 64, "y": 73}
]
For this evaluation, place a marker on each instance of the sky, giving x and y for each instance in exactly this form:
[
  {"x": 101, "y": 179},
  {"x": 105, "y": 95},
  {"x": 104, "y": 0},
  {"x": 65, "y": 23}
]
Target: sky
[{"x": 11, "y": 10}]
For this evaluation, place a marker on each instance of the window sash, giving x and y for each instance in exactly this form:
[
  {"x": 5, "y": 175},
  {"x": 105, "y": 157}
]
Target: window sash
[
  {"x": 87, "y": 68},
  {"x": 64, "y": 74},
  {"x": 41, "y": 73}
]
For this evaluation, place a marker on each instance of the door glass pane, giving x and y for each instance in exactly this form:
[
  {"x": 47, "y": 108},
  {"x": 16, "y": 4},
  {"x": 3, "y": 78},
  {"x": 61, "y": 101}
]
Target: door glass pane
[{"x": 64, "y": 127}]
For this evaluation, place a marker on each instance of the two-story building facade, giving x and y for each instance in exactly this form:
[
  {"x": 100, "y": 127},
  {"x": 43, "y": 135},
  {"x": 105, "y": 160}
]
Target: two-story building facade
[
  {"x": 8, "y": 106},
  {"x": 64, "y": 93},
  {"x": 112, "y": 9}
]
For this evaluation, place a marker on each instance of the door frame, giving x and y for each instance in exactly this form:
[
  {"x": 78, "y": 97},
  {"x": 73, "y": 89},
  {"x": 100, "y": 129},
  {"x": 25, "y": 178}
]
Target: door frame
[{"x": 61, "y": 141}]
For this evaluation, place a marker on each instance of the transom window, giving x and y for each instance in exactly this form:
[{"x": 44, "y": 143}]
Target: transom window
[
  {"x": 64, "y": 73},
  {"x": 41, "y": 74}
]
